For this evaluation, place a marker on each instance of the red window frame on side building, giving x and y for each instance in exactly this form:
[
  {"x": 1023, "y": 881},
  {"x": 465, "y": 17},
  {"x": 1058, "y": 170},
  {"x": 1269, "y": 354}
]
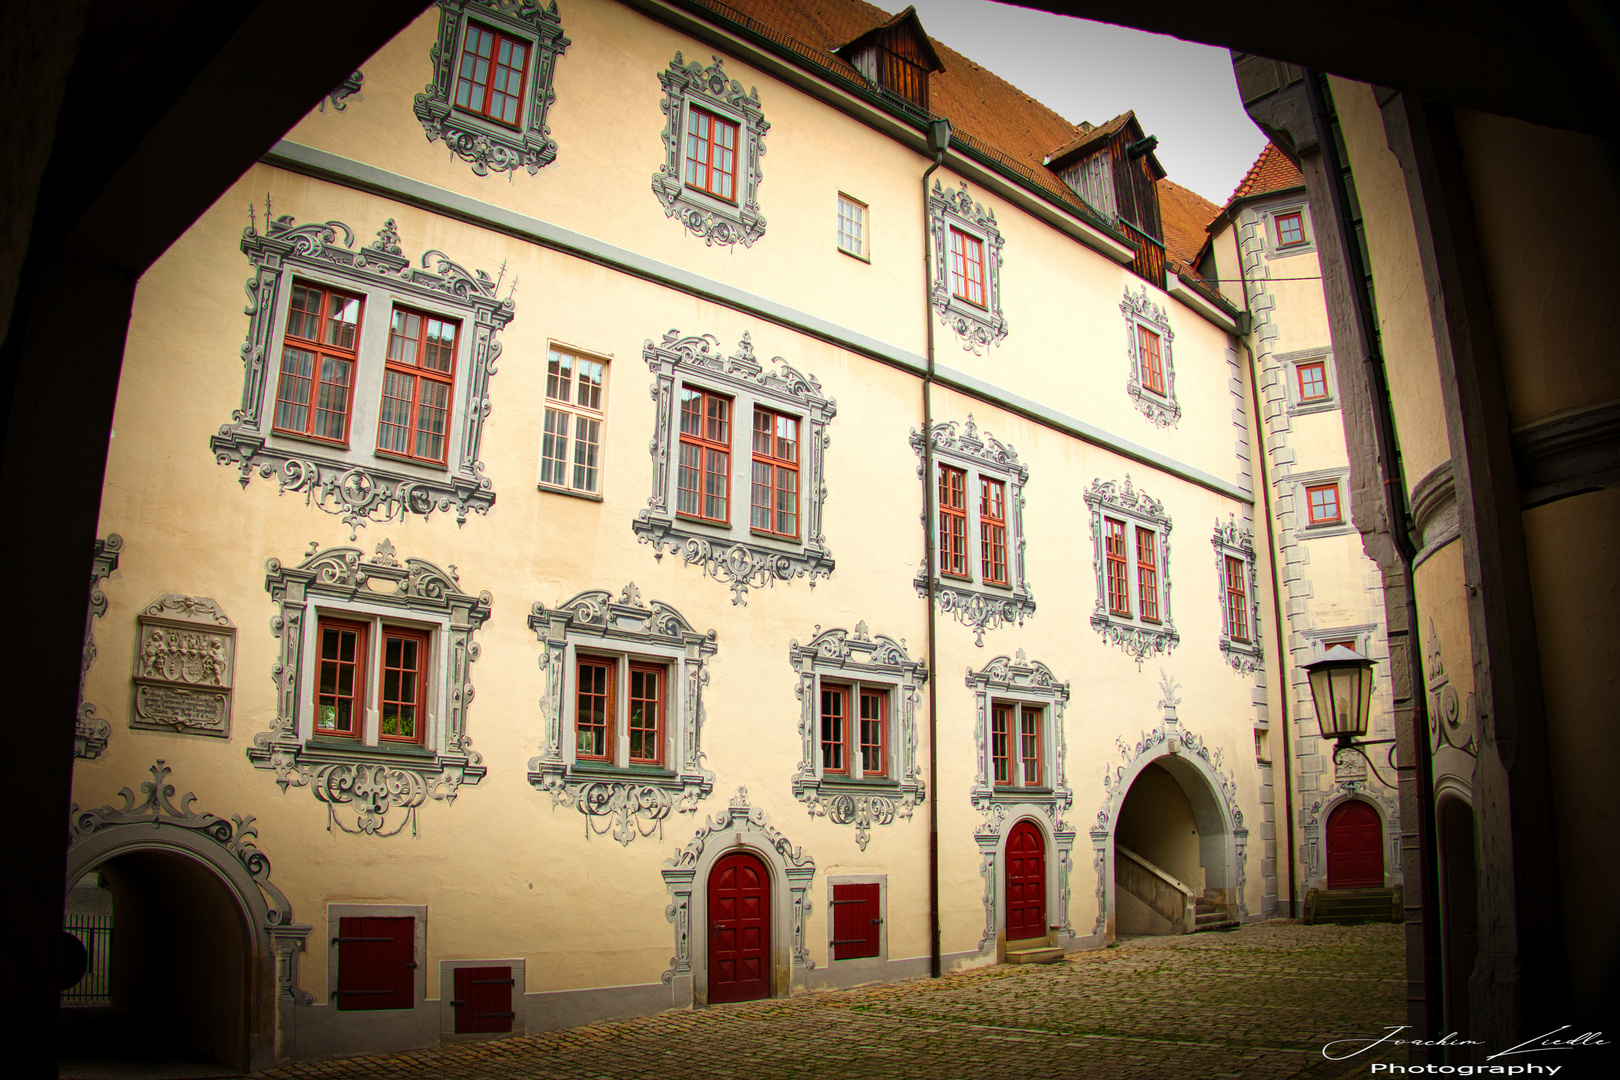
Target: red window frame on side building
[
  {"x": 953, "y": 557},
  {"x": 711, "y": 154},
  {"x": 648, "y": 690},
  {"x": 319, "y": 354},
  {"x": 1322, "y": 505},
  {"x": 967, "y": 267},
  {"x": 594, "y": 708},
  {"x": 1151, "y": 359},
  {"x": 1031, "y": 725},
  {"x": 1119, "y": 591},
  {"x": 774, "y": 505},
  {"x": 1237, "y": 600},
  {"x": 1001, "y": 734},
  {"x": 418, "y": 389},
  {"x": 1314, "y": 388},
  {"x": 1147, "y": 574},
  {"x": 487, "y": 82},
  {"x": 873, "y": 734},
  {"x": 834, "y": 730},
  {"x": 993, "y": 530},
  {"x": 332, "y": 663},
  {"x": 705, "y": 457},
  {"x": 402, "y": 690},
  {"x": 1290, "y": 228}
]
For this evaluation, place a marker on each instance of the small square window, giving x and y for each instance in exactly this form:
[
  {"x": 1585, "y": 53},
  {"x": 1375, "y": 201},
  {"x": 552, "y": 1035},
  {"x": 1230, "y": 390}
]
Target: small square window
[
  {"x": 1322, "y": 503},
  {"x": 576, "y": 403},
  {"x": 1313, "y": 384},
  {"x": 1290, "y": 229},
  {"x": 852, "y": 226}
]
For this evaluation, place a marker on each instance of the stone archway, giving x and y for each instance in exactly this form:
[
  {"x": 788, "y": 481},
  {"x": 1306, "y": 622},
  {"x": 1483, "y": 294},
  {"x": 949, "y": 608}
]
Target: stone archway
[{"x": 161, "y": 854}]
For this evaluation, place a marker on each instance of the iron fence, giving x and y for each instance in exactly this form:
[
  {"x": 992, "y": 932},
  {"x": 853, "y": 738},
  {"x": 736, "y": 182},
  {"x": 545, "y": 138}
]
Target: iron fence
[{"x": 95, "y": 931}]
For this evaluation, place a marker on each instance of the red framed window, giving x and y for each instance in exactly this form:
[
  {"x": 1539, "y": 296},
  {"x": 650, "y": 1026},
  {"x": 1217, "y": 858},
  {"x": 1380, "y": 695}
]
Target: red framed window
[
  {"x": 1119, "y": 595},
  {"x": 1312, "y": 380},
  {"x": 647, "y": 686},
  {"x": 967, "y": 267},
  {"x": 711, "y": 154},
  {"x": 1149, "y": 359},
  {"x": 376, "y": 963},
  {"x": 874, "y": 732},
  {"x": 1290, "y": 229},
  {"x": 404, "y": 685},
  {"x": 1147, "y": 574},
  {"x": 834, "y": 730},
  {"x": 593, "y": 715},
  {"x": 1001, "y": 762},
  {"x": 1322, "y": 503},
  {"x": 1237, "y": 600},
  {"x": 953, "y": 557},
  {"x": 855, "y": 920},
  {"x": 340, "y": 693},
  {"x": 575, "y": 387},
  {"x": 414, "y": 421},
  {"x": 993, "y": 530},
  {"x": 703, "y": 475},
  {"x": 775, "y": 501},
  {"x": 1030, "y": 723},
  {"x": 490, "y": 80},
  {"x": 318, "y": 354}
]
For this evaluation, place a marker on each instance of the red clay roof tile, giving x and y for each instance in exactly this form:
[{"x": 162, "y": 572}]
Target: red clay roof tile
[{"x": 1271, "y": 171}]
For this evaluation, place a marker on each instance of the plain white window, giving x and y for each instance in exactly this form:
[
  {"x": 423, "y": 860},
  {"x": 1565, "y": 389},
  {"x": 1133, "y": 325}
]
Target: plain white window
[{"x": 852, "y": 226}]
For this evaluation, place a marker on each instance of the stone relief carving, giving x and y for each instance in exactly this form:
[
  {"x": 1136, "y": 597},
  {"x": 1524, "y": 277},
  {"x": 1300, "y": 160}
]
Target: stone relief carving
[
  {"x": 974, "y": 604},
  {"x": 1169, "y": 737},
  {"x": 716, "y": 220},
  {"x": 485, "y": 144},
  {"x": 680, "y": 869},
  {"x": 1236, "y": 541},
  {"x": 339, "y": 95},
  {"x": 184, "y": 666},
  {"x": 91, "y": 732},
  {"x": 371, "y": 782},
  {"x": 1138, "y": 639},
  {"x": 1020, "y": 680},
  {"x": 1452, "y": 717},
  {"x": 840, "y": 655},
  {"x": 236, "y": 836},
  {"x": 626, "y": 802},
  {"x": 755, "y": 561},
  {"x": 368, "y": 488},
  {"x": 1161, "y": 409},
  {"x": 976, "y": 327}
]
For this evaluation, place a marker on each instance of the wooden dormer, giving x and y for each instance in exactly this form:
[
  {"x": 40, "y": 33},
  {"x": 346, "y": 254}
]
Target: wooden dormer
[
  {"x": 897, "y": 57},
  {"x": 1113, "y": 168}
]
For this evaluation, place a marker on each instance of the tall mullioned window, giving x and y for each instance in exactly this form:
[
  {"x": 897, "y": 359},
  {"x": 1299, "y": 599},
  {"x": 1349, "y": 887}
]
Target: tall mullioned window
[
  {"x": 711, "y": 155},
  {"x": 418, "y": 380},
  {"x": 703, "y": 481},
  {"x": 490, "y": 79},
  {"x": 571, "y": 446},
  {"x": 775, "y": 497},
  {"x": 315, "y": 392},
  {"x": 852, "y": 226}
]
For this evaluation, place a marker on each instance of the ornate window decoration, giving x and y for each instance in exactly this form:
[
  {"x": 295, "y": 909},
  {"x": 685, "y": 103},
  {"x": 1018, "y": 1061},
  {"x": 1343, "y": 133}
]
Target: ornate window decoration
[
  {"x": 615, "y": 792},
  {"x": 739, "y": 826},
  {"x": 981, "y": 581},
  {"x": 858, "y": 698},
  {"x": 339, "y": 95},
  {"x": 716, "y": 402},
  {"x": 962, "y": 228},
  {"x": 1028, "y": 691},
  {"x": 340, "y": 466},
  {"x": 185, "y": 667},
  {"x": 1130, "y": 536},
  {"x": 1148, "y": 340},
  {"x": 501, "y": 49},
  {"x": 712, "y": 189},
  {"x": 362, "y": 767},
  {"x": 1238, "y": 576},
  {"x": 91, "y": 732}
]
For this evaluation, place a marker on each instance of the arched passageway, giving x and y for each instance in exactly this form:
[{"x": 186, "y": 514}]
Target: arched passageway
[{"x": 1173, "y": 856}]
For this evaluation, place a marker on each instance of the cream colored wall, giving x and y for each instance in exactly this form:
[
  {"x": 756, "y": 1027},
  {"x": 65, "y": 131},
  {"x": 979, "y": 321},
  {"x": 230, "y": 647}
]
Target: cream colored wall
[
  {"x": 191, "y": 527},
  {"x": 1228, "y": 264},
  {"x": 1403, "y": 308},
  {"x": 1534, "y": 191}
]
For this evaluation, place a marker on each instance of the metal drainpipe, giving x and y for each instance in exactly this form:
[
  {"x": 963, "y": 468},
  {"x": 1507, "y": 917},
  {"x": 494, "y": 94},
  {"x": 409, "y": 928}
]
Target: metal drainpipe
[{"x": 939, "y": 140}]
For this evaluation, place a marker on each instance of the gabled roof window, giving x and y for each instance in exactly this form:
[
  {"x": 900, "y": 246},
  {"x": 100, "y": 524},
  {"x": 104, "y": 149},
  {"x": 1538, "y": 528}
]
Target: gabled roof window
[
  {"x": 1113, "y": 168},
  {"x": 897, "y": 57}
]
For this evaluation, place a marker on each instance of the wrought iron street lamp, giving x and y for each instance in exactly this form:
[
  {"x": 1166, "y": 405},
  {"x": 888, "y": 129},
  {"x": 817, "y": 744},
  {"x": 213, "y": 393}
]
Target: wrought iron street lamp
[{"x": 1341, "y": 686}]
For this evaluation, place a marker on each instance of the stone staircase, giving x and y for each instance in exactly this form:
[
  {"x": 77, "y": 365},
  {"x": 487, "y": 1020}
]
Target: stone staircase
[
  {"x": 1349, "y": 907},
  {"x": 1212, "y": 916},
  {"x": 1033, "y": 951}
]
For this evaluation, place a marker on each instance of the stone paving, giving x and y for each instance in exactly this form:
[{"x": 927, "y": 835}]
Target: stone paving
[{"x": 1258, "y": 1002}]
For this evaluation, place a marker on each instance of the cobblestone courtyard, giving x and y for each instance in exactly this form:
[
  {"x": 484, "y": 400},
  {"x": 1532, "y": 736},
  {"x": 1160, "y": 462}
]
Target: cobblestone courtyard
[{"x": 1256, "y": 1003}]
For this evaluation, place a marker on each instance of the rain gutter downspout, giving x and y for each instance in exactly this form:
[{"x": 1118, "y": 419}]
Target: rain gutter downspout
[{"x": 939, "y": 140}]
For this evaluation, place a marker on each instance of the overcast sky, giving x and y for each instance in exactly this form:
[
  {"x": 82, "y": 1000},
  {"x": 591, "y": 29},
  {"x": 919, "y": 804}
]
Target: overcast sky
[{"x": 1182, "y": 92}]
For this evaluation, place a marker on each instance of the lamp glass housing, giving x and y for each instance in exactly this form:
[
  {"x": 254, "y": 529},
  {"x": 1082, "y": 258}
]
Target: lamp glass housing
[{"x": 1341, "y": 687}]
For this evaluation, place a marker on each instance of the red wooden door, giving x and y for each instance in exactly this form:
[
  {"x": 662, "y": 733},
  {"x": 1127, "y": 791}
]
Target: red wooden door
[
  {"x": 1026, "y": 882},
  {"x": 483, "y": 999},
  {"x": 1355, "y": 847},
  {"x": 739, "y": 929}
]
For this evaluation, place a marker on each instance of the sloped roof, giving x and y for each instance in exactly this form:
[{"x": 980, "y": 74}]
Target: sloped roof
[
  {"x": 1184, "y": 213},
  {"x": 908, "y": 16},
  {"x": 1271, "y": 171},
  {"x": 1077, "y": 146}
]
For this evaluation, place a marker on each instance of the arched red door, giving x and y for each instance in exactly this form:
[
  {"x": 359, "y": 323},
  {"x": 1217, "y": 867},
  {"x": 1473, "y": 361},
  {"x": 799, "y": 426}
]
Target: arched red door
[
  {"x": 1355, "y": 847},
  {"x": 739, "y": 929},
  {"x": 1026, "y": 882}
]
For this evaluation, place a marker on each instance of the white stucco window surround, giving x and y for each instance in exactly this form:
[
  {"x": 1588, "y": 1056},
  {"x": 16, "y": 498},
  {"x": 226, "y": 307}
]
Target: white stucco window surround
[
  {"x": 976, "y": 324},
  {"x": 1149, "y": 345},
  {"x": 709, "y": 503},
  {"x": 623, "y": 785},
  {"x": 722, "y": 211},
  {"x": 1130, "y": 536},
  {"x": 1288, "y": 229},
  {"x": 1321, "y": 503},
  {"x": 1309, "y": 378},
  {"x": 1237, "y": 577},
  {"x": 343, "y": 463},
  {"x": 493, "y": 63},
  {"x": 357, "y": 762}
]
